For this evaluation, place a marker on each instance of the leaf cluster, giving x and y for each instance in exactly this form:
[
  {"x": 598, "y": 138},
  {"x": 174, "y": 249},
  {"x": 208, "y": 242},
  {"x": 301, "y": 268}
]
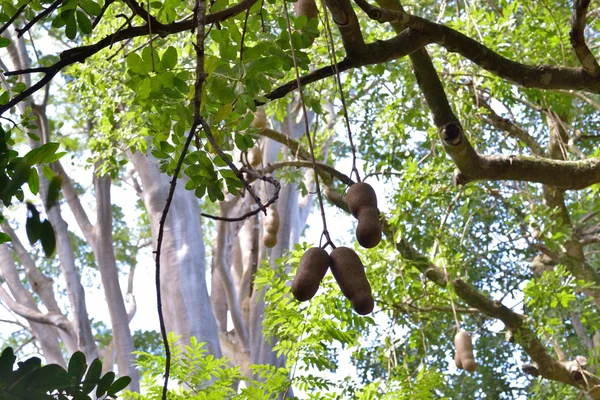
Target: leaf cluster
[{"x": 31, "y": 380}]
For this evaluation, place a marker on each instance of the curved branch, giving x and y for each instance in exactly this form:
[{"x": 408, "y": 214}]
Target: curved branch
[
  {"x": 321, "y": 166},
  {"x": 51, "y": 318},
  {"x": 541, "y": 76},
  {"x": 345, "y": 18},
  {"x": 578, "y": 20},
  {"x": 38, "y": 17},
  {"x": 566, "y": 175},
  {"x": 249, "y": 214},
  {"x": 548, "y": 367}
]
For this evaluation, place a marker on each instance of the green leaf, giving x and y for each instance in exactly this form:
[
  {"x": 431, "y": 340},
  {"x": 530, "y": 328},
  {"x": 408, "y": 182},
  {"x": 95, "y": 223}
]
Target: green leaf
[
  {"x": 48, "y": 172},
  {"x": 33, "y": 224},
  {"x": 7, "y": 360},
  {"x": 60, "y": 20},
  {"x": 91, "y": 7},
  {"x": 77, "y": 366},
  {"x": 169, "y": 58},
  {"x": 33, "y": 136},
  {"x": 92, "y": 376},
  {"x": 47, "y": 238},
  {"x": 48, "y": 378},
  {"x": 135, "y": 64},
  {"x": 34, "y": 181},
  {"x": 4, "y": 238},
  {"x": 53, "y": 191},
  {"x": 71, "y": 28},
  {"x": 85, "y": 25},
  {"x": 119, "y": 385},
  {"x": 21, "y": 175},
  {"x": 42, "y": 154},
  {"x": 105, "y": 383},
  {"x": 4, "y": 42}
]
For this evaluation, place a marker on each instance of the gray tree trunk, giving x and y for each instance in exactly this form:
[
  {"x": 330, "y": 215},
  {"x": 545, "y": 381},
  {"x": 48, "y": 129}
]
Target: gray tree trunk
[
  {"x": 45, "y": 334},
  {"x": 109, "y": 273},
  {"x": 186, "y": 303},
  {"x": 82, "y": 327}
]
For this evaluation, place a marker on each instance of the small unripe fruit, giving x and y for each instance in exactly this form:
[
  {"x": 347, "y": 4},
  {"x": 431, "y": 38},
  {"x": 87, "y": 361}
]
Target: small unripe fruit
[
  {"x": 254, "y": 156},
  {"x": 368, "y": 231},
  {"x": 464, "y": 350},
  {"x": 360, "y": 195},
  {"x": 311, "y": 270},
  {"x": 349, "y": 273},
  {"x": 260, "y": 119}
]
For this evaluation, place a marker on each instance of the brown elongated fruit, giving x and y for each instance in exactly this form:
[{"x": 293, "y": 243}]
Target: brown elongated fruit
[
  {"x": 254, "y": 156},
  {"x": 269, "y": 240},
  {"x": 368, "y": 231},
  {"x": 363, "y": 303},
  {"x": 306, "y": 7},
  {"x": 359, "y": 196},
  {"x": 260, "y": 119},
  {"x": 457, "y": 360},
  {"x": 271, "y": 220},
  {"x": 464, "y": 350},
  {"x": 349, "y": 272},
  {"x": 311, "y": 270},
  {"x": 362, "y": 202}
]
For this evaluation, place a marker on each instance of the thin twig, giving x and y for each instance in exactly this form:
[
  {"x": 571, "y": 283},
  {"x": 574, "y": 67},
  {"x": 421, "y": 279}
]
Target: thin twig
[
  {"x": 249, "y": 214},
  {"x": 236, "y": 171},
  {"x": 38, "y": 17},
  {"x": 334, "y": 65},
  {"x": 150, "y": 34},
  {"x": 307, "y": 131},
  {"x": 242, "y": 41},
  {"x": 37, "y": 56},
  {"x": 14, "y": 17},
  {"x": 102, "y": 11},
  {"x": 161, "y": 228},
  {"x": 199, "y": 14}
]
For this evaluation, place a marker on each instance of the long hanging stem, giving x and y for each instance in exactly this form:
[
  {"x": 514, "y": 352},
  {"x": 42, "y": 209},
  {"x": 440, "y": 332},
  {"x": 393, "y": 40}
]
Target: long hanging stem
[
  {"x": 307, "y": 131},
  {"x": 331, "y": 47}
]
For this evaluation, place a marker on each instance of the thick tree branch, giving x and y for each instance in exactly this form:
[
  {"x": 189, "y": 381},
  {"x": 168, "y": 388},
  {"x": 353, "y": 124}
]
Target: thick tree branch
[
  {"x": 542, "y": 76},
  {"x": 227, "y": 280},
  {"x": 567, "y": 175},
  {"x": 54, "y": 319},
  {"x": 548, "y": 367},
  {"x": 140, "y": 12},
  {"x": 411, "y": 308},
  {"x": 75, "y": 205},
  {"x": 39, "y": 282},
  {"x": 378, "y": 52},
  {"x": 347, "y": 22},
  {"x": 578, "y": 20}
]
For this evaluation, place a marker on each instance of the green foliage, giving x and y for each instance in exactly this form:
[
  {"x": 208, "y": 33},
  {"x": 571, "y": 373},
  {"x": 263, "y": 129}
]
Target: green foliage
[
  {"x": 201, "y": 376},
  {"x": 31, "y": 380}
]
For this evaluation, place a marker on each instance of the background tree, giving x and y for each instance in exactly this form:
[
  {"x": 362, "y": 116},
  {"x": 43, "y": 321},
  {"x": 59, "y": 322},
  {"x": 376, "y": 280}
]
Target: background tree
[{"x": 505, "y": 231}]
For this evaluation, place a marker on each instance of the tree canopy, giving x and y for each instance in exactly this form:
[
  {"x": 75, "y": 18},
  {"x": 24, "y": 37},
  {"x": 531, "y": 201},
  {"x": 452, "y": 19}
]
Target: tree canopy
[{"x": 475, "y": 122}]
